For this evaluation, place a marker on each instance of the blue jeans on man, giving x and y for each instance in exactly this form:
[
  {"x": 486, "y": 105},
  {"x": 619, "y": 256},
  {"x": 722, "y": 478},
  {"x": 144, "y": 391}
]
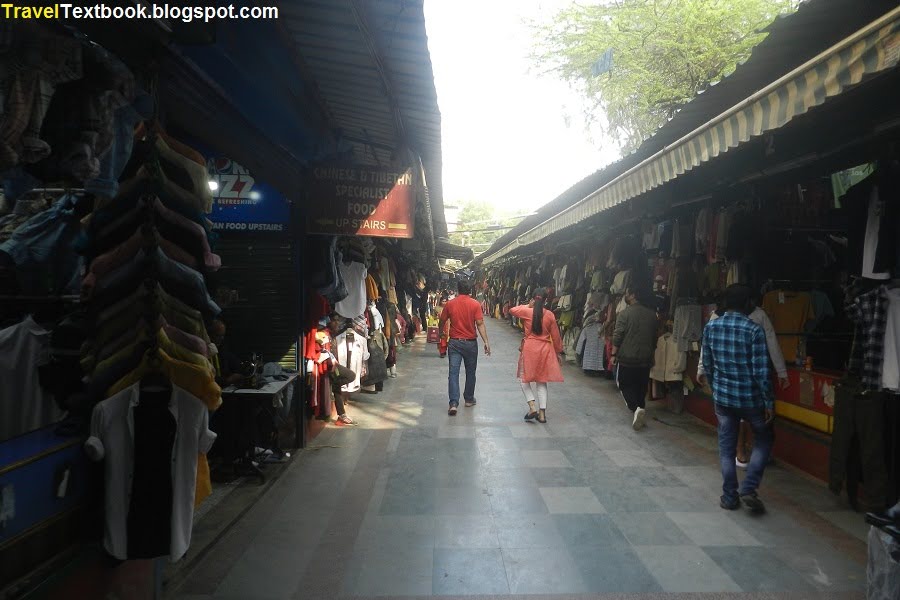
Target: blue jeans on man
[
  {"x": 459, "y": 352},
  {"x": 729, "y": 423}
]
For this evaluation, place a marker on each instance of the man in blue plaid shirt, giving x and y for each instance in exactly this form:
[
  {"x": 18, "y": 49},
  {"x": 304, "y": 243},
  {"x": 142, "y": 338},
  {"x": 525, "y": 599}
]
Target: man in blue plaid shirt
[{"x": 736, "y": 360}]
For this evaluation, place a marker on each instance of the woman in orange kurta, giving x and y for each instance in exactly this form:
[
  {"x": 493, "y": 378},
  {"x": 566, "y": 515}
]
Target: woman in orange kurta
[{"x": 539, "y": 359}]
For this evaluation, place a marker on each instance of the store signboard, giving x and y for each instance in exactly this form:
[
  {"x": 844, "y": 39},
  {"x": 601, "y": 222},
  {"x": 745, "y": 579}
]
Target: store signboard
[
  {"x": 359, "y": 200},
  {"x": 241, "y": 203}
]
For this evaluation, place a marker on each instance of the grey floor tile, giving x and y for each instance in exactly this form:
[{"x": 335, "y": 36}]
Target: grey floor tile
[
  {"x": 414, "y": 502},
  {"x": 588, "y": 530},
  {"x": 456, "y": 431},
  {"x": 489, "y": 445},
  {"x": 462, "y": 501},
  {"x": 545, "y": 443},
  {"x": 542, "y": 571},
  {"x": 558, "y": 477},
  {"x": 571, "y": 500},
  {"x": 492, "y": 431},
  {"x": 651, "y": 477},
  {"x": 632, "y": 458},
  {"x": 471, "y": 571},
  {"x": 614, "y": 442},
  {"x": 529, "y": 430},
  {"x": 528, "y": 531},
  {"x": 613, "y": 568},
  {"x": 758, "y": 569},
  {"x": 590, "y": 460},
  {"x": 517, "y": 501},
  {"x": 685, "y": 569},
  {"x": 852, "y": 522},
  {"x": 400, "y": 572},
  {"x": 383, "y": 531},
  {"x": 545, "y": 459},
  {"x": 497, "y": 478},
  {"x": 712, "y": 529},
  {"x": 649, "y": 529},
  {"x": 684, "y": 499},
  {"x": 502, "y": 459},
  {"x": 625, "y": 499},
  {"x": 827, "y": 569},
  {"x": 466, "y": 531}
]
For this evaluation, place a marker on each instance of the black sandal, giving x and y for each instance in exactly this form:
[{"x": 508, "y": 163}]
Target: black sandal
[
  {"x": 532, "y": 415},
  {"x": 541, "y": 419}
]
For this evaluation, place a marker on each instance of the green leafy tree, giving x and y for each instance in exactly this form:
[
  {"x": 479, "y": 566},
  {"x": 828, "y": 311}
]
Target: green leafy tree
[
  {"x": 479, "y": 225},
  {"x": 663, "y": 53}
]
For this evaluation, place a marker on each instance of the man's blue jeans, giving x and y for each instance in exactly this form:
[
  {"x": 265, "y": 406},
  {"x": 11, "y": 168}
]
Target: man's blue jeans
[
  {"x": 729, "y": 423},
  {"x": 460, "y": 351}
]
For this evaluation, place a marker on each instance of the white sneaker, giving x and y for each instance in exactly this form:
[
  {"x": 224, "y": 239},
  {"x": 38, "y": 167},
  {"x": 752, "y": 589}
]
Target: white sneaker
[
  {"x": 739, "y": 464},
  {"x": 640, "y": 419}
]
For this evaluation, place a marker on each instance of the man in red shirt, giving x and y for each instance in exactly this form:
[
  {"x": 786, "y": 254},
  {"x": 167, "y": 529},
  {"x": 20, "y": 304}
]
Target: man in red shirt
[{"x": 465, "y": 316}]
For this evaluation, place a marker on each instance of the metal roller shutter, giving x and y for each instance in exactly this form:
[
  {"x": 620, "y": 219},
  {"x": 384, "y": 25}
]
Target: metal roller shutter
[{"x": 264, "y": 317}]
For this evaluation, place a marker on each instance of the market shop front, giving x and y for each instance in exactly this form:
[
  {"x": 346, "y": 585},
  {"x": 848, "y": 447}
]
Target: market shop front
[{"x": 770, "y": 188}]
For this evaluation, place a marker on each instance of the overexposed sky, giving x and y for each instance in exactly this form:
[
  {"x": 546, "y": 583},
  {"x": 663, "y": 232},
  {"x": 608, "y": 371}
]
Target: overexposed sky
[{"x": 510, "y": 137}]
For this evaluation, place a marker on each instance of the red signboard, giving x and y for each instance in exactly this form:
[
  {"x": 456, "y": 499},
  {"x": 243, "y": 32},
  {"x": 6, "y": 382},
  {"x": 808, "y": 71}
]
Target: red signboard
[{"x": 357, "y": 200}]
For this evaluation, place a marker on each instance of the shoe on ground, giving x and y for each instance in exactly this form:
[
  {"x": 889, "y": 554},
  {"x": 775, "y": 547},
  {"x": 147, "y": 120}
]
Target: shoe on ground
[
  {"x": 531, "y": 416},
  {"x": 452, "y": 411},
  {"x": 640, "y": 419},
  {"x": 724, "y": 503},
  {"x": 470, "y": 403},
  {"x": 344, "y": 420},
  {"x": 740, "y": 464},
  {"x": 753, "y": 502}
]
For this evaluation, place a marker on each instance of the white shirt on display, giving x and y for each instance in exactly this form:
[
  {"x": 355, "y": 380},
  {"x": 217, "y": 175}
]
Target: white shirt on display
[
  {"x": 112, "y": 441},
  {"x": 890, "y": 372},
  {"x": 358, "y": 351}
]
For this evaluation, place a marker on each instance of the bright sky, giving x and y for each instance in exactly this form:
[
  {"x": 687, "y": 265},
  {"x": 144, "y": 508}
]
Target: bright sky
[{"x": 506, "y": 139}]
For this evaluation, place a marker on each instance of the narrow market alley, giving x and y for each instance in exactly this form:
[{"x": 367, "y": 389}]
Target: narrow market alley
[{"x": 413, "y": 503}]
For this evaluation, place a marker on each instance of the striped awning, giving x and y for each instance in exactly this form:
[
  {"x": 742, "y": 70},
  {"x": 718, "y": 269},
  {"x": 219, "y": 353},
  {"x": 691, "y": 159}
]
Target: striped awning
[{"x": 870, "y": 50}]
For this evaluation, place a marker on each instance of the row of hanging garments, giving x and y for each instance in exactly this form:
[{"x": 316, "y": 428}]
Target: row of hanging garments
[{"x": 150, "y": 364}]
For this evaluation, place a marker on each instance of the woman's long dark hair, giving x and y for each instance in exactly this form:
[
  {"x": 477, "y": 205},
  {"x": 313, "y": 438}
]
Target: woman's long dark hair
[{"x": 537, "y": 317}]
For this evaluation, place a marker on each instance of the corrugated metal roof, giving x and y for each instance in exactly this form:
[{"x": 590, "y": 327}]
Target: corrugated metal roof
[
  {"x": 370, "y": 63},
  {"x": 793, "y": 39}
]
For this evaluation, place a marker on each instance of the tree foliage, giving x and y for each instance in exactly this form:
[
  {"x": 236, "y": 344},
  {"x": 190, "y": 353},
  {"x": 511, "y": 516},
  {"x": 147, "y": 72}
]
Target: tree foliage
[
  {"x": 474, "y": 227},
  {"x": 664, "y": 53}
]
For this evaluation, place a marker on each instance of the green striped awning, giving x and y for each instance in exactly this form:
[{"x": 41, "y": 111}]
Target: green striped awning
[{"x": 870, "y": 50}]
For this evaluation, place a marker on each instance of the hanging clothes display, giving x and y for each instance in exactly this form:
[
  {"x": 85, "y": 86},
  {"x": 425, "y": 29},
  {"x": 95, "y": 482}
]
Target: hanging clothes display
[
  {"x": 352, "y": 351},
  {"x": 354, "y": 276}
]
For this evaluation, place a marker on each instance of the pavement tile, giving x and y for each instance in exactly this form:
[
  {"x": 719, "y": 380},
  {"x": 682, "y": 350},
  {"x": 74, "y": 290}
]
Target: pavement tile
[
  {"x": 685, "y": 569},
  {"x": 585, "y": 531},
  {"x": 402, "y": 571},
  {"x": 558, "y": 477},
  {"x": 612, "y": 568},
  {"x": 649, "y": 529},
  {"x": 712, "y": 529},
  {"x": 545, "y": 458},
  {"x": 472, "y": 571},
  {"x": 571, "y": 500},
  {"x": 465, "y": 531},
  {"x": 632, "y": 458},
  {"x": 757, "y": 569},
  {"x": 542, "y": 571},
  {"x": 528, "y": 531},
  {"x": 517, "y": 501}
]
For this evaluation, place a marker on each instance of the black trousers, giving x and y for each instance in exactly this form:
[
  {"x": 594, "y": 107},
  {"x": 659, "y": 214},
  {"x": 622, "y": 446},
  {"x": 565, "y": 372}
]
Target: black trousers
[
  {"x": 858, "y": 443},
  {"x": 632, "y": 382},
  {"x": 346, "y": 376}
]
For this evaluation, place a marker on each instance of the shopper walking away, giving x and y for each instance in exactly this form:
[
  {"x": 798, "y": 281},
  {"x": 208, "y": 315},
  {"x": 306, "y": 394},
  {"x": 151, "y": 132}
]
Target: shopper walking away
[
  {"x": 758, "y": 316},
  {"x": 634, "y": 344},
  {"x": 541, "y": 354},
  {"x": 736, "y": 361},
  {"x": 464, "y": 314}
]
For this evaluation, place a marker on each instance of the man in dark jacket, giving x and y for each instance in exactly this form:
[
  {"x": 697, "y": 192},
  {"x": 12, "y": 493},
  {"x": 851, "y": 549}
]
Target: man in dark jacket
[{"x": 634, "y": 343}]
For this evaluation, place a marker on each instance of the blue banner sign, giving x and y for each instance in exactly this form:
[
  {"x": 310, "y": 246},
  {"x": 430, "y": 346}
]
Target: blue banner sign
[{"x": 241, "y": 203}]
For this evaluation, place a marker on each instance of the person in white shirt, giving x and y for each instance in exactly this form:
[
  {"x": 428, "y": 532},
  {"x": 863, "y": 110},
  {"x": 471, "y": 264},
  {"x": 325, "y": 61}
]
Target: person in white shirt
[{"x": 759, "y": 317}]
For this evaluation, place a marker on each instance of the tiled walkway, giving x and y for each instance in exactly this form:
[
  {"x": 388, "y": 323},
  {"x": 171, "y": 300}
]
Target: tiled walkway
[{"x": 415, "y": 503}]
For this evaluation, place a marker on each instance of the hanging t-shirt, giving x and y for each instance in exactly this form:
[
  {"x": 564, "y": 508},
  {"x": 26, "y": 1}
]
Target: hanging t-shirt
[
  {"x": 890, "y": 372},
  {"x": 789, "y": 312},
  {"x": 354, "y": 304}
]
